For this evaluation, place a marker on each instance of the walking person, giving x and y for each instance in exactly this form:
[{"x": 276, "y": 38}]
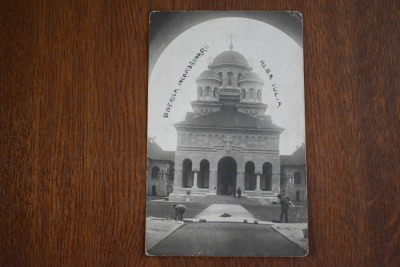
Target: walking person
[{"x": 284, "y": 208}]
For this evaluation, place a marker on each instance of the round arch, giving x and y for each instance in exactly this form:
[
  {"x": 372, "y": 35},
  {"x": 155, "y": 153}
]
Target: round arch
[
  {"x": 187, "y": 173},
  {"x": 166, "y": 26},
  {"x": 250, "y": 176},
  {"x": 266, "y": 177},
  {"x": 204, "y": 174},
  {"x": 226, "y": 181}
]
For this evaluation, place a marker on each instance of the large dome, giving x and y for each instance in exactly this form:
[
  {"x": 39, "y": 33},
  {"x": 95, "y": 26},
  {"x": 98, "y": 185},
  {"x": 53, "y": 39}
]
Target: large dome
[{"x": 230, "y": 58}]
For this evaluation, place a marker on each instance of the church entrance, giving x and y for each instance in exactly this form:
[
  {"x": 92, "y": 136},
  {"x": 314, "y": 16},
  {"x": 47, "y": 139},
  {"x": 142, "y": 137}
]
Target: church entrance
[{"x": 227, "y": 170}]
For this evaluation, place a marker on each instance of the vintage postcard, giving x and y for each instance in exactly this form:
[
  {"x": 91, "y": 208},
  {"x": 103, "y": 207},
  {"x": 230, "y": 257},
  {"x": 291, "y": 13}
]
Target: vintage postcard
[{"x": 226, "y": 154}]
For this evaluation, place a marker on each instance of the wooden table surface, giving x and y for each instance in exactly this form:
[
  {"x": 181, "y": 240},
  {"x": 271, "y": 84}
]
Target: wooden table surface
[{"x": 73, "y": 132}]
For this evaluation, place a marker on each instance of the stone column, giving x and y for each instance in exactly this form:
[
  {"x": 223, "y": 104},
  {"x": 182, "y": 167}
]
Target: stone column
[
  {"x": 258, "y": 187},
  {"x": 194, "y": 187},
  {"x": 276, "y": 183},
  {"x": 212, "y": 184},
  {"x": 177, "y": 179}
]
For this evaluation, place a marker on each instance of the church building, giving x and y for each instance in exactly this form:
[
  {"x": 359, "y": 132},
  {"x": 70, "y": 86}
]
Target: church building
[{"x": 227, "y": 141}]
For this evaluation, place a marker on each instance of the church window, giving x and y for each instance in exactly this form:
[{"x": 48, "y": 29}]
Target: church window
[
  {"x": 266, "y": 177},
  {"x": 187, "y": 173},
  {"x": 239, "y": 76},
  {"x": 297, "y": 178},
  {"x": 259, "y": 94},
  {"x": 208, "y": 91},
  {"x": 199, "y": 91},
  {"x": 251, "y": 91},
  {"x": 243, "y": 94},
  {"x": 204, "y": 174},
  {"x": 154, "y": 172},
  {"x": 220, "y": 75},
  {"x": 229, "y": 77},
  {"x": 215, "y": 92},
  {"x": 250, "y": 176}
]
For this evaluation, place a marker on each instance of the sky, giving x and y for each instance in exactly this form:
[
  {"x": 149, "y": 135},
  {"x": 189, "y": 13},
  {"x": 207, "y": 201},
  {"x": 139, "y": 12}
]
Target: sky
[{"x": 256, "y": 41}]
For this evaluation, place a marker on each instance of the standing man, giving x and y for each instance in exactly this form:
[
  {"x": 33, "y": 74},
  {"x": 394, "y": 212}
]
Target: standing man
[
  {"x": 239, "y": 192},
  {"x": 284, "y": 208}
]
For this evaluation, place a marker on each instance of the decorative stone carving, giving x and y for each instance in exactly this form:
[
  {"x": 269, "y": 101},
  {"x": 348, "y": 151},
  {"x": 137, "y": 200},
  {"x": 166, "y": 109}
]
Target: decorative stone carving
[{"x": 228, "y": 143}]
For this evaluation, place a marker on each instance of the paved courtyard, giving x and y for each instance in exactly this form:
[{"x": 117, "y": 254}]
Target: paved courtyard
[
  {"x": 225, "y": 226},
  {"x": 226, "y": 239}
]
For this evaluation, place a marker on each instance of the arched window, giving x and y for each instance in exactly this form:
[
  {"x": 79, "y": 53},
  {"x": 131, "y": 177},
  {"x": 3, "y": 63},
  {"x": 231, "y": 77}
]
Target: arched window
[
  {"x": 199, "y": 92},
  {"x": 215, "y": 92},
  {"x": 266, "y": 177},
  {"x": 154, "y": 172},
  {"x": 297, "y": 178},
  {"x": 208, "y": 91},
  {"x": 243, "y": 94},
  {"x": 204, "y": 174},
  {"x": 239, "y": 76},
  {"x": 220, "y": 75},
  {"x": 187, "y": 173},
  {"x": 250, "y": 178},
  {"x": 229, "y": 76},
  {"x": 251, "y": 93},
  {"x": 259, "y": 94}
]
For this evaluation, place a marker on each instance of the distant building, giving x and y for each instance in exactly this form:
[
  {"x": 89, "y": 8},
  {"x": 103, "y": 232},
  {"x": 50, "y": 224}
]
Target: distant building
[
  {"x": 227, "y": 141},
  {"x": 293, "y": 175},
  {"x": 160, "y": 170}
]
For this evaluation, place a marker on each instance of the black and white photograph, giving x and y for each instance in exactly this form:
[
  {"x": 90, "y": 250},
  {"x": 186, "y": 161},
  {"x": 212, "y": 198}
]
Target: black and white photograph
[{"x": 226, "y": 153}]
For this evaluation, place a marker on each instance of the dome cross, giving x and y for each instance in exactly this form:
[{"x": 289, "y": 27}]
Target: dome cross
[{"x": 231, "y": 44}]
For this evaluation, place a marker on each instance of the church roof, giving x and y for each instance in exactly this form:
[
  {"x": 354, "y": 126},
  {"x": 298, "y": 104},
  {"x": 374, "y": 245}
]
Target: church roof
[
  {"x": 228, "y": 117},
  {"x": 230, "y": 57},
  {"x": 155, "y": 152},
  {"x": 250, "y": 76},
  {"x": 298, "y": 157},
  {"x": 284, "y": 158},
  {"x": 209, "y": 74}
]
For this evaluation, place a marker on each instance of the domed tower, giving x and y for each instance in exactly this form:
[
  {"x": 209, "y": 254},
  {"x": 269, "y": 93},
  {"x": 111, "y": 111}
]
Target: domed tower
[
  {"x": 229, "y": 81},
  {"x": 208, "y": 84},
  {"x": 251, "y": 95},
  {"x": 230, "y": 66}
]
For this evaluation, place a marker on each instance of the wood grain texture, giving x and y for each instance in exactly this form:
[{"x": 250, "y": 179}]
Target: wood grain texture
[{"x": 73, "y": 132}]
